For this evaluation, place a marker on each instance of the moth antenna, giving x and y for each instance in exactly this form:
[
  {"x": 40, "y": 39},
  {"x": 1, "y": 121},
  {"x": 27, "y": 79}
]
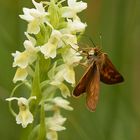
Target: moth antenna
[
  {"x": 101, "y": 42},
  {"x": 81, "y": 53},
  {"x": 90, "y": 39}
]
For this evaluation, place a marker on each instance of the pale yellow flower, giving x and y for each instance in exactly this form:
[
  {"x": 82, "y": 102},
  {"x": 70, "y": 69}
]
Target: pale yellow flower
[
  {"x": 49, "y": 49},
  {"x": 24, "y": 116},
  {"x": 35, "y": 17},
  {"x": 58, "y": 102},
  {"x": 73, "y": 8},
  {"x": 23, "y": 59},
  {"x": 55, "y": 123},
  {"x": 20, "y": 75},
  {"x": 52, "y": 135},
  {"x": 76, "y": 25}
]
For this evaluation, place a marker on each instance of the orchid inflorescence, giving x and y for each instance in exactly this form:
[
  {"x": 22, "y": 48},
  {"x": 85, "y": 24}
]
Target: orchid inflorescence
[{"x": 46, "y": 66}]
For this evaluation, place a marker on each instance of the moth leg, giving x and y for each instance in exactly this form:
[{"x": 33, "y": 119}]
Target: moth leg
[{"x": 81, "y": 64}]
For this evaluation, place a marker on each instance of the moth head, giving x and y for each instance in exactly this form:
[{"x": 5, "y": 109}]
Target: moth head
[
  {"x": 97, "y": 51},
  {"x": 94, "y": 52}
]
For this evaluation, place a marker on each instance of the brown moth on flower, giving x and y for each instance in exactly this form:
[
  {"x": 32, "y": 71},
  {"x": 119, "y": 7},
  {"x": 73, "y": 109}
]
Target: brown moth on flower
[{"x": 100, "y": 68}]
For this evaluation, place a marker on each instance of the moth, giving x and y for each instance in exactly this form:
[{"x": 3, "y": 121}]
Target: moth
[{"x": 100, "y": 68}]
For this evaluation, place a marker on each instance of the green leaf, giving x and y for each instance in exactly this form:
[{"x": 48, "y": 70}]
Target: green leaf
[
  {"x": 42, "y": 128},
  {"x": 44, "y": 34},
  {"x": 36, "y": 83},
  {"x": 34, "y": 133},
  {"x": 44, "y": 65},
  {"x": 52, "y": 71},
  {"x": 54, "y": 14}
]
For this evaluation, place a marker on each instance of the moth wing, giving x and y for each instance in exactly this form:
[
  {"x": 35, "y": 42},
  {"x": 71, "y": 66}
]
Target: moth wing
[
  {"x": 108, "y": 72},
  {"x": 93, "y": 88},
  {"x": 83, "y": 82}
]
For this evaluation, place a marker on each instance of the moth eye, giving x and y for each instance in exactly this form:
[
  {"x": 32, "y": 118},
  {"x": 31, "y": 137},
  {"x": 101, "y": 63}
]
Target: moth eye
[
  {"x": 89, "y": 56},
  {"x": 95, "y": 53},
  {"x": 84, "y": 51}
]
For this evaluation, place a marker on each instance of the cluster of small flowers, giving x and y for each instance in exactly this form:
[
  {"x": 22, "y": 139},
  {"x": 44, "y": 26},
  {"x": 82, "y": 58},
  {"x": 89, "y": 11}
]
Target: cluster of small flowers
[{"x": 52, "y": 34}]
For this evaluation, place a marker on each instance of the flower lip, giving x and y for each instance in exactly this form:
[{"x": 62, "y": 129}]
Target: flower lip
[
  {"x": 55, "y": 123},
  {"x": 24, "y": 117},
  {"x": 73, "y": 8},
  {"x": 35, "y": 17}
]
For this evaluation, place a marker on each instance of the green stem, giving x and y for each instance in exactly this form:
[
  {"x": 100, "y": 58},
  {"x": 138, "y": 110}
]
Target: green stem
[
  {"x": 36, "y": 91},
  {"x": 12, "y": 94},
  {"x": 42, "y": 129}
]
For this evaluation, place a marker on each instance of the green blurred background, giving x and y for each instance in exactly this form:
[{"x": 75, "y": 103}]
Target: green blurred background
[{"x": 118, "y": 112}]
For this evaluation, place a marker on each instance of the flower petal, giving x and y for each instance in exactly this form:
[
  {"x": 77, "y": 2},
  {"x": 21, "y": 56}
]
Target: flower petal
[
  {"x": 24, "y": 118},
  {"x": 52, "y": 135},
  {"x": 55, "y": 123},
  {"x": 20, "y": 75},
  {"x": 49, "y": 49},
  {"x": 64, "y": 89},
  {"x": 11, "y": 98},
  {"x": 33, "y": 27},
  {"x": 59, "y": 101},
  {"x": 67, "y": 12},
  {"x": 76, "y": 25},
  {"x": 77, "y": 6},
  {"x": 69, "y": 74},
  {"x": 39, "y": 6}
]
